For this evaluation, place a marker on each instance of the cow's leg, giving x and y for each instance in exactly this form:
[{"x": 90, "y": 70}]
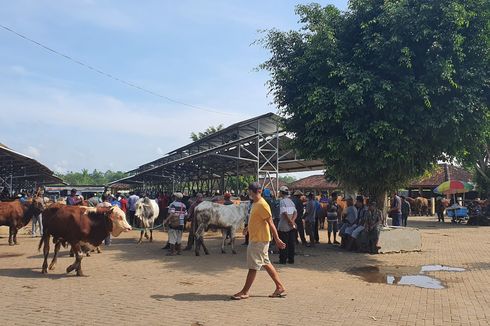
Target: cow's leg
[
  {"x": 77, "y": 265},
  {"x": 11, "y": 235},
  {"x": 141, "y": 236},
  {"x": 98, "y": 249},
  {"x": 46, "y": 253},
  {"x": 204, "y": 246},
  {"x": 198, "y": 235},
  {"x": 57, "y": 247},
  {"x": 151, "y": 235},
  {"x": 14, "y": 233},
  {"x": 233, "y": 240},
  {"x": 224, "y": 233}
]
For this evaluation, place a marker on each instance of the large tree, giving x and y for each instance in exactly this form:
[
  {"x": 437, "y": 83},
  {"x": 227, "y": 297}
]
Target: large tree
[
  {"x": 476, "y": 158},
  {"x": 84, "y": 177},
  {"x": 385, "y": 89}
]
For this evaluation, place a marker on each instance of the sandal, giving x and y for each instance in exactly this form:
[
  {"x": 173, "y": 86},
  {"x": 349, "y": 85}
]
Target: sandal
[
  {"x": 239, "y": 297},
  {"x": 278, "y": 295}
]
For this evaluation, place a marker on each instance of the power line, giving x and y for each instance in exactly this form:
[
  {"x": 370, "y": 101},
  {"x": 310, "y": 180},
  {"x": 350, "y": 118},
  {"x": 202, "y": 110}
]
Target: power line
[{"x": 108, "y": 75}]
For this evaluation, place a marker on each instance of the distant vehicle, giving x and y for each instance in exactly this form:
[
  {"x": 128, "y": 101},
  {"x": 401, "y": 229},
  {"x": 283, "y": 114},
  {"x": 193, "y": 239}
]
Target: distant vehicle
[{"x": 55, "y": 192}]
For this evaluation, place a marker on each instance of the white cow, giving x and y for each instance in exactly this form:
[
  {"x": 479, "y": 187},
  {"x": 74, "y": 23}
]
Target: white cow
[
  {"x": 147, "y": 211},
  {"x": 224, "y": 217}
]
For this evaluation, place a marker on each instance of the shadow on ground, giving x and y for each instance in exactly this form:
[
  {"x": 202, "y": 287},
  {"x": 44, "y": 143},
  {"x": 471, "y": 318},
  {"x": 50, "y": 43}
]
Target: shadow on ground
[
  {"x": 31, "y": 273},
  {"x": 191, "y": 297},
  {"x": 320, "y": 258}
]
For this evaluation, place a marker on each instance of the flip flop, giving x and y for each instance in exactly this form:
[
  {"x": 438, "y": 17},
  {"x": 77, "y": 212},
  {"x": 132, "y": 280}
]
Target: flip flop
[
  {"x": 239, "y": 297},
  {"x": 278, "y": 295}
]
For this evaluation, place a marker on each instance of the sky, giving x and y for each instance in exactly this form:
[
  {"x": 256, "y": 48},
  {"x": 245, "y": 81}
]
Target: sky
[{"x": 197, "y": 52}]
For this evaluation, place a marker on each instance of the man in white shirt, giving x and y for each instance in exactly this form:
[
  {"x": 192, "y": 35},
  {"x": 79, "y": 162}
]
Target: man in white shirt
[
  {"x": 133, "y": 198},
  {"x": 287, "y": 226}
]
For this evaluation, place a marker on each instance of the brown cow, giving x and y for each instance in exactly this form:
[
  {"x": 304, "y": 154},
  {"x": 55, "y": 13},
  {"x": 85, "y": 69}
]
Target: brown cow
[
  {"x": 422, "y": 205},
  {"x": 16, "y": 214},
  {"x": 76, "y": 225}
]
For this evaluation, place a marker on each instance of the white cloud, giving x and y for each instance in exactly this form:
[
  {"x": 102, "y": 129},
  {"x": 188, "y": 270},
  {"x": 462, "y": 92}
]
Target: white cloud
[
  {"x": 33, "y": 152},
  {"x": 99, "y": 131},
  {"x": 61, "y": 167}
]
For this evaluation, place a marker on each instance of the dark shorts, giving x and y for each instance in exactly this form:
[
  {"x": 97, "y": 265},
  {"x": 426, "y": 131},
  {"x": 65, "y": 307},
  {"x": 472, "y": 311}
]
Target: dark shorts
[{"x": 333, "y": 226}]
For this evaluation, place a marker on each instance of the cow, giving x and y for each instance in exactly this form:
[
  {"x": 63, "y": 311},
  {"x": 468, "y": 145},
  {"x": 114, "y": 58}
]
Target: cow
[
  {"x": 16, "y": 214},
  {"x": 224, "y": 217},
  {"x": 147, "y": 211},
  {"x": 422, "y": 206},
  {"x": 79, "y": 226}
]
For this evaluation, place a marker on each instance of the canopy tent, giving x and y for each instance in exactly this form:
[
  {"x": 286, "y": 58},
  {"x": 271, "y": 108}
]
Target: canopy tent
[
  {"x": 255, "y": 147},
  {"x": 18, "y": 171}
]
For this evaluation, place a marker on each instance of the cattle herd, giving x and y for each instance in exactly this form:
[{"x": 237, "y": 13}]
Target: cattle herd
[
  {"x": 84, "y": 228},
  {"x": 80, "y": 227}
]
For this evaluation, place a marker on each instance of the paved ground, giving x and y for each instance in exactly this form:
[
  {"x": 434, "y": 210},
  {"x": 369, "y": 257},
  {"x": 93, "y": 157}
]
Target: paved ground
[{"x": 131, "y": 284}]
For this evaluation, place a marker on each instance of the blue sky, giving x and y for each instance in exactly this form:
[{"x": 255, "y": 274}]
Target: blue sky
[{"x": 198, "y": 52}]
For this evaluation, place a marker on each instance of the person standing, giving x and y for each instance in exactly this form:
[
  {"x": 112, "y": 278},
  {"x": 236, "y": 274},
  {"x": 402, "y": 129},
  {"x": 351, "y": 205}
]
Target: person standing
[
  {"x": 124, "y": 204},
  {"x": 372, "y": 227},
  {"x": 440, "y": 209},
  {"x": 73, "y": 199},
  {"x": 192, "y": 217},
  {"x": 287, "y": 226},
  {"x": 177, "y": 212},
  {"x": 93, "y": 201},
  {"x": 406, "y": 210},
  {"x": 333, "y": 219},
  {"x": 259, "y": 229},
  {"x": 300, "y": 208},
  {"x": 37, "y": 220},
  {"x": 310, "y": 218},
  {"x": 133, "y": 198},
  {"x": 396, "y": 210}
]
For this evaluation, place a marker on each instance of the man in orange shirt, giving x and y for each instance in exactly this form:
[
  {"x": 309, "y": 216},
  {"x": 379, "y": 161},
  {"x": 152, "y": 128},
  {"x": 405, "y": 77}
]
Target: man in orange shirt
[{"x": 259, "y": 230}]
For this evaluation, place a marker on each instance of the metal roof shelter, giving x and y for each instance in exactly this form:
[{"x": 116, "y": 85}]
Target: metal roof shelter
[
  {"x": 18, "y": 171},
  {"x": 256, "y": 147}
]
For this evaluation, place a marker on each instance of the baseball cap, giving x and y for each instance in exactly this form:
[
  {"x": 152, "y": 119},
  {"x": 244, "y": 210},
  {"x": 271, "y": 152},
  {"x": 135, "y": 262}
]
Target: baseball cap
[
  {"x": 254, "y": 186},
  {"x": 284, "y": 189}
]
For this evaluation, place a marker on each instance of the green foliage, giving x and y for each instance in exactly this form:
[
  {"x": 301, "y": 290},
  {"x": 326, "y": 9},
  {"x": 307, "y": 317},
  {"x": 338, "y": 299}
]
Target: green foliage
[
  {"x": 383, "y": 91},
  {"x": 210, "y": 130},
  {"x": 95, "y": 178},
  {"x": 287, "y": 179},
  {"x": 243, "y": 182}
]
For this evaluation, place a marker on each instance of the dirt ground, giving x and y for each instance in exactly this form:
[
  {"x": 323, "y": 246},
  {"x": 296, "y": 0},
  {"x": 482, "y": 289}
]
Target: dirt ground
[{"x": 130, "y": 284}]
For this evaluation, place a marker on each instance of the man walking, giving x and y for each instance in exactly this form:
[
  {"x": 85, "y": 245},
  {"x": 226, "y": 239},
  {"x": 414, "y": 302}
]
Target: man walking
[
  {"x": 259, "y": 230},
  {"x": 287, "y": 226}
]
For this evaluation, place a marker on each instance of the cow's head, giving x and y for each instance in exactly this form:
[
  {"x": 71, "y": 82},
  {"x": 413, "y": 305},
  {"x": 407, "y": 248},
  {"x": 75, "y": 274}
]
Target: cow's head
[{"x": 119, "y": 222}]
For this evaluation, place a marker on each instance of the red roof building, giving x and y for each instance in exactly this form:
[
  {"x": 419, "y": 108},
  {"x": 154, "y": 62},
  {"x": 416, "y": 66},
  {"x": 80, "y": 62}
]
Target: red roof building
[{"x": 314, "y": 183}]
